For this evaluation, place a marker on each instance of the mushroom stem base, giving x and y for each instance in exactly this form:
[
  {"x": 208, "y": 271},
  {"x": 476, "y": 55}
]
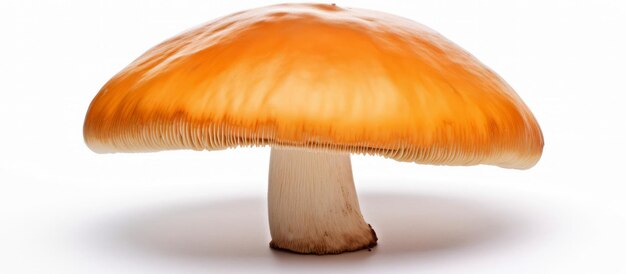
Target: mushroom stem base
[{"x": 313, "y": 206}]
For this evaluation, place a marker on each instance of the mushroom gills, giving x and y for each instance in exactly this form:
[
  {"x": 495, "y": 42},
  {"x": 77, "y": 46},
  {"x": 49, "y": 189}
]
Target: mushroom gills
[{"x": 312, "y": 202}]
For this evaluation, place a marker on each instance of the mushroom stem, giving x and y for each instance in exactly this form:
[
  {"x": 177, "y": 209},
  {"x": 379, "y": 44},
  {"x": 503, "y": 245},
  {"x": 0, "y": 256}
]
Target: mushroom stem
[{"x": 313, "y": 206}]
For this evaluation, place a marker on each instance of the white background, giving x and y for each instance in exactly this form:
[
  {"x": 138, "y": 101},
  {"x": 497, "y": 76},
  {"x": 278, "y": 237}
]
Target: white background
[{"x": 64, "y": 209}]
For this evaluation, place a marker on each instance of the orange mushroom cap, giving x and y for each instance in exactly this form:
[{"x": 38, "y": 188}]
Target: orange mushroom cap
[{"x": 320, "y": 77}]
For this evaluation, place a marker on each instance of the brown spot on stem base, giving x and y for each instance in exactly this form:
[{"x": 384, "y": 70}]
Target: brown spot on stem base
[{"x": 321, "y": 250}]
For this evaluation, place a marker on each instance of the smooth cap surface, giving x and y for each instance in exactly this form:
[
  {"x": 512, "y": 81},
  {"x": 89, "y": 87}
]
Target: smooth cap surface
[{"x": 320, "y": 77}]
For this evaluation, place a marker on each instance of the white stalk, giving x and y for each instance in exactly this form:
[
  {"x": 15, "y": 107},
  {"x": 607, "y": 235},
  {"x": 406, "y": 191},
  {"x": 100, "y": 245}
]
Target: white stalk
[{"x": 313, "y": 206}]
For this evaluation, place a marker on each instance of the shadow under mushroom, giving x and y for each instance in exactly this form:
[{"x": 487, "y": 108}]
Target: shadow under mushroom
[{"x": 232, "y": 230}]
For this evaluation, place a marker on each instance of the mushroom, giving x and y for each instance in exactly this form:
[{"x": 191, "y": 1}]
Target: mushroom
[{"x": 316, "y": 83}]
